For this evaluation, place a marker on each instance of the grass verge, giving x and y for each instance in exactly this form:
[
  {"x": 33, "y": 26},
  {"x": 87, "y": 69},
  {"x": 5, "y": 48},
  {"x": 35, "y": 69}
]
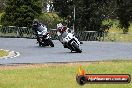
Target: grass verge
[
  {"x": 60, "y": 76},
  {"x": 3, "y": 53},
  {"x": 115, "y": 33},
  {"x": 118, "y": 37}
]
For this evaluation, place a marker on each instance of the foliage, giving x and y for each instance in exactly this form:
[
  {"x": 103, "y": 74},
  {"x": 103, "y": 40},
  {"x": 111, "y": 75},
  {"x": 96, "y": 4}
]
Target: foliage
[
  {"x": 124, "y": 14},
  {"x": 91, "y": 13},
  {"x": 1, "y": 16},
  {"x": 49, "y": 19},
  {"x": 1, "y": 5},
  {"x": 21, "y": 12},
  {"x": 91, "y": 17},
  {"x": 63, "y": 7}
]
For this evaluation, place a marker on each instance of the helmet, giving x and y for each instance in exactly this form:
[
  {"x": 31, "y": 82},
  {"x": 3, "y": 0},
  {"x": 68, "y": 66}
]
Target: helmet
[
  {"x": 59, "y": 25},
  {"x": 35, "y": 22},
  {"x": 62, "y": 29}
]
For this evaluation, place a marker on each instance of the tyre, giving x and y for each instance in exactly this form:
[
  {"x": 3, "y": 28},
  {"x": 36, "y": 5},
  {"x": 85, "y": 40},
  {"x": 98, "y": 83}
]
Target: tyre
[
  {"x": 39, "y": 40},
  {"x": 40, "y": 44},
  {"x": 50, "y": 43},
  {"x": 77, "y": 49}
]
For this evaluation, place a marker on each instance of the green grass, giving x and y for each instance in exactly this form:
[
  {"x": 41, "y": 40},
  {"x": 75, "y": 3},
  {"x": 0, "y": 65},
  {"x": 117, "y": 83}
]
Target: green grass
[
  {"x": 118, "y": 37},
  {"x": 3, "y": 53},
  {"x": 60, "y": 76},
  {"x": 115, "y": 27},
  {"x": 115, "y": 33}
]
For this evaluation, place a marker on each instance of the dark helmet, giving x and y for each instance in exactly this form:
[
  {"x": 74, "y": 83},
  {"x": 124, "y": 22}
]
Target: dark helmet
[{"x": 35, "y": 22}]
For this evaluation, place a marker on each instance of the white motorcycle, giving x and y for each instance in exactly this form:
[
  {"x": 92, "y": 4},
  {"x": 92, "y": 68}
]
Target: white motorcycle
[{"x": 71, "y": 42}]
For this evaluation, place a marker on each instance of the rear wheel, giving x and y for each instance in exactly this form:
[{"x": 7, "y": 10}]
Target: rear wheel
[
  {"x": 40, "y": 44},
  {"x": 50, "y": 43},
  {"x": 77, "y": 49},
  {"x": 39, "y": 39}
]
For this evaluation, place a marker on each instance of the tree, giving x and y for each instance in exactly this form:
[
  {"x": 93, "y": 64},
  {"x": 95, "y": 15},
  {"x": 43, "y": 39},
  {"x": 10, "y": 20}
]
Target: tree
[
  {"x": 63, "y": 7},
  {"x": 124, "y": 14},
  {"x": 21, "y": 12},
  {"x": 2, "y": 5},
  {"x": 89, "y": 13}
]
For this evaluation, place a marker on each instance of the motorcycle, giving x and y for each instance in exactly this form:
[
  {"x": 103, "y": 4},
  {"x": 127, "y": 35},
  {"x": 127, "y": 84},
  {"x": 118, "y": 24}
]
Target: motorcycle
[
  {"x": 71, "y": 42},
  {"x": 44, "y": 38}
]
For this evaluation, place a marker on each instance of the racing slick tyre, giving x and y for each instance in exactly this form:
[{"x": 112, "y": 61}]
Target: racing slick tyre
[
  {"x": 50, "y": 43},
  {"x": 40, "y": 44},
  {"x": 77, "y": 49}
]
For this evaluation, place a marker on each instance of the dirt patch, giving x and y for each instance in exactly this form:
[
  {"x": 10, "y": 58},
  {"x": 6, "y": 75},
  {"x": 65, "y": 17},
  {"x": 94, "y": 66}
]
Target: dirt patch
[{"x": 29, "y": 66}]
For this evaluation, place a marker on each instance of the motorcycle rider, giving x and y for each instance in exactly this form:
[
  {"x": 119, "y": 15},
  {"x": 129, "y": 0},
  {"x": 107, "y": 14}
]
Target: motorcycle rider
[
  {"x": 62, "y": 31},
  {"x": 35, "y": 26}
]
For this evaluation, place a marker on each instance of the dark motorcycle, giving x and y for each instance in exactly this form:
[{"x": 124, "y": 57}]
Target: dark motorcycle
[{"x": 43, "y": 37}]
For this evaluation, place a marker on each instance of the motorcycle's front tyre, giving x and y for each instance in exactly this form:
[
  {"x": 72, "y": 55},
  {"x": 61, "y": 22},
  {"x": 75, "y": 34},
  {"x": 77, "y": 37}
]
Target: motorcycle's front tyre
[{"x": 77, "y": 49}]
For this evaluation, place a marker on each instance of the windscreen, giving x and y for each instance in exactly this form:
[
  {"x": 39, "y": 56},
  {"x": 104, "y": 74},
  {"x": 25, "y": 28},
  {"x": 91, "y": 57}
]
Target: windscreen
[{"x": 64, "y": 34}]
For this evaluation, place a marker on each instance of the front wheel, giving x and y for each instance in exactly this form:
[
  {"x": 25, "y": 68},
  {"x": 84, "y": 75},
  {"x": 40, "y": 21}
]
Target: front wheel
[
  {"x": 77, "y": 49},
  {"x": 50, "y": 43},
  {"x": 40, "y": 44}
]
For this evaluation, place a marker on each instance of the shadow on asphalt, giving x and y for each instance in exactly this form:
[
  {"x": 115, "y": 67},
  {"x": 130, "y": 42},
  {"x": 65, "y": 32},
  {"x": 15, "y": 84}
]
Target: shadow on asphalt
[
  {"x": 43, "y": 47},
  {"x": 68, "y": 52}
]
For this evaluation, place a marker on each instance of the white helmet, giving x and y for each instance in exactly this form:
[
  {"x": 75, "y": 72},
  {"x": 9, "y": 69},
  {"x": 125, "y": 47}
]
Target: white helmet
[{"x": 59, "y": 25}]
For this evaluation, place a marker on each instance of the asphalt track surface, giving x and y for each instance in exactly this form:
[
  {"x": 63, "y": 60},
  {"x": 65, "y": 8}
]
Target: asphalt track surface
[{"x": 31, "y": 53}]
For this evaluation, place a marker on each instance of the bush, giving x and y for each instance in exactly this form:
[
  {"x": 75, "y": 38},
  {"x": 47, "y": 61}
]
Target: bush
[
  {"x": 21, "y": 13},
  {"x": 50, "y": 19},
  {"x": 1, "y": 17}
]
